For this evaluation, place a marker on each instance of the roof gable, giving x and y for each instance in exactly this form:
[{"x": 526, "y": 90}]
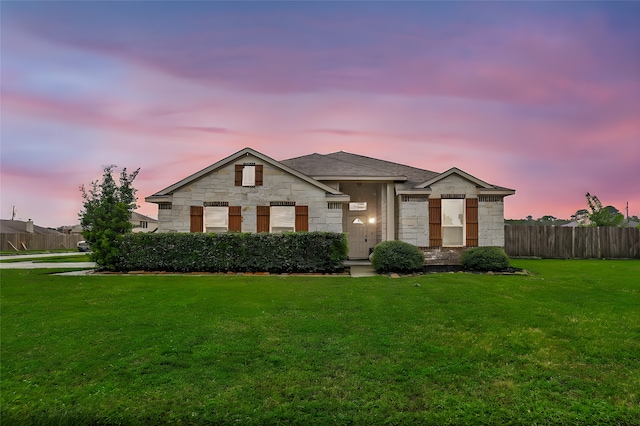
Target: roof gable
[
  {"x": 485, "y": 188},
  {"x": 456, "y": 171},
  {"x": 234, "y": 157}
]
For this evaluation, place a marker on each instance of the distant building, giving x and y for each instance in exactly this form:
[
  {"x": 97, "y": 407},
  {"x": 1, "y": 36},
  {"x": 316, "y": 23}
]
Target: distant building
[{"x": 22, "y": 227}]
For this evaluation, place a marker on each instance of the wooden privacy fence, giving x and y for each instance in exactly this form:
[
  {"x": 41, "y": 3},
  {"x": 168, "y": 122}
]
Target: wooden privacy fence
[
  {"x": 572, "y": 243},
  {"x": 11, "y": 242}
]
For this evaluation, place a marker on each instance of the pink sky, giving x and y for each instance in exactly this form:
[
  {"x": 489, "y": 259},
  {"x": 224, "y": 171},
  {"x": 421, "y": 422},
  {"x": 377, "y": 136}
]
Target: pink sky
[{"x": 540, "y": 97}]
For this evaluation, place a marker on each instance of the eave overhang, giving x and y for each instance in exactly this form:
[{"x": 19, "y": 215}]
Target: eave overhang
[
  {"x": 159, "y": 199},
  {"x": 493, "y": 191},
  {"x": 338, "y": 198},
  {"x": 361, "y": 178}
]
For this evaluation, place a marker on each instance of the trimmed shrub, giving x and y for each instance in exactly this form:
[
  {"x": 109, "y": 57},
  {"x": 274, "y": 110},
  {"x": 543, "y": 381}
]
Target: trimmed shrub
[
  {"x": 233, "y": 252},
  {"x": 485, "y": 259},
  {"x": 397, "y": 256}
]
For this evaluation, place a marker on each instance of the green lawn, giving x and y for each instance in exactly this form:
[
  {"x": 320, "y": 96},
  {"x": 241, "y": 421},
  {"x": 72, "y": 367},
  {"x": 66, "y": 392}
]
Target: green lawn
[{"x": 561, "y": 346}]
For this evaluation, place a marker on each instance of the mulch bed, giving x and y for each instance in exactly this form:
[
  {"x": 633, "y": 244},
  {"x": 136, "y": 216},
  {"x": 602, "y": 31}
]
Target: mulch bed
[{"x": 431, "y": 269}]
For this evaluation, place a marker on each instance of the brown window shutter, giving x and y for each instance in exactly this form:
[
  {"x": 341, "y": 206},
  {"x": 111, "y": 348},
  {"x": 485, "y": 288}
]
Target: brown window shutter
[
  {"x": 259, "y": 168},
  {"x": 197, "y": 218},
  {"x": 472, "y": 222},
  {"x": 235, "y": 218},
  {"x": 238, "y": 178},
  {"x": 262, "y": 213},
  {"x": 435, "y": 222},
  {"x": 302, "y": 218}
]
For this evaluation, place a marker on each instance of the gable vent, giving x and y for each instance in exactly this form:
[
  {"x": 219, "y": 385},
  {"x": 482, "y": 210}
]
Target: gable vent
[
  {"x": 490, "y": 198},
  {"x": 282, "y": 203},
  {"x": 414, "y": 198}
]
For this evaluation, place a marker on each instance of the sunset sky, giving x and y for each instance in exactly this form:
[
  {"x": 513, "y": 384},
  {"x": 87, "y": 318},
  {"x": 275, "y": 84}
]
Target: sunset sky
[{"x": 541, "y": 97}]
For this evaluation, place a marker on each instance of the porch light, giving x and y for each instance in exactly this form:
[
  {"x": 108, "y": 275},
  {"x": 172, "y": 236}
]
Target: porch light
[{"x": 372, "y": 220}]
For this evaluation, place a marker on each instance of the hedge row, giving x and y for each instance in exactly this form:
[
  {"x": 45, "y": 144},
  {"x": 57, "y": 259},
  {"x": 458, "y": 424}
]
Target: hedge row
[{"x": 233, "y": 252}]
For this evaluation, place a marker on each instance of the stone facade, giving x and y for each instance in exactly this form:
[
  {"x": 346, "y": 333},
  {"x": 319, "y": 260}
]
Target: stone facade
[
  {"x": 278, "y": 186},
  {"x": 413, "y": 220},
  {"x": 491, "y": 223},
  {"x": 413, "y": 213},
  {"x": 451, "y": 185},
  {"x": 396, "y": 197}
]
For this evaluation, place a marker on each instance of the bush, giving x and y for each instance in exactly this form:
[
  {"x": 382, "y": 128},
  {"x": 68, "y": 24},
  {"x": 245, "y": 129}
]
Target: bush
[
  {"x": 397, "y": 256},
  {"x": 485, "y": 259},
  {"x": 233, "y": 252}
]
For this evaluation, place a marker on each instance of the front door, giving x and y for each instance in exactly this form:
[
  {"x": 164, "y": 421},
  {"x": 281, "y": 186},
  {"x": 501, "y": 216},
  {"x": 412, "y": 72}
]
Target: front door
[{"x": 357, "y": 238}]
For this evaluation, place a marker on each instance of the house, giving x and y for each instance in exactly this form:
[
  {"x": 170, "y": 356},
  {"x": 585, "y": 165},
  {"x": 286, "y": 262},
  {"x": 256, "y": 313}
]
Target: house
[
  {"x": 20, "y": 227},
  {"x": 142, "y": 223},
  {"x": 371, "y": 200}
]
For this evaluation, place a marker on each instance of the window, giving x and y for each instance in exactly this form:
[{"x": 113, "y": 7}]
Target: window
[
  {"x": 452, "y": 222},
  {"x": 282, "y": 218},
  {"x": 249, "y": 174},
  {"x": 216, "y": 216},
  {"x": 144, "y": 224},
  {"x": 216, "y": 219}
]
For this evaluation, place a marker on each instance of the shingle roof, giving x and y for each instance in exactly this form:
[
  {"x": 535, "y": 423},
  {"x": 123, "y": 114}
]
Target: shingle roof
[
  {"x": 136, "y": 217},
  {"x": 346, "y": 164},
  {"x": 20, "y": 227}
]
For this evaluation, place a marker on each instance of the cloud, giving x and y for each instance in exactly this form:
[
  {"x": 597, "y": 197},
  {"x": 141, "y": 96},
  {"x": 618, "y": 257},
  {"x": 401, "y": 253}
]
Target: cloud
[{"x": 541, "y": 97}]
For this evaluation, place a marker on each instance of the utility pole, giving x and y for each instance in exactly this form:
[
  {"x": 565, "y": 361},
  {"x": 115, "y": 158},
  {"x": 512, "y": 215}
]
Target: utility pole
[
  {"x": 13, "y": 213},
  {"x": 627, "y": 211}
]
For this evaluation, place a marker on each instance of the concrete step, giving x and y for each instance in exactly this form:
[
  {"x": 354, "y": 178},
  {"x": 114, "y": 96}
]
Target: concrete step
[{"x": 362, "y": 271}]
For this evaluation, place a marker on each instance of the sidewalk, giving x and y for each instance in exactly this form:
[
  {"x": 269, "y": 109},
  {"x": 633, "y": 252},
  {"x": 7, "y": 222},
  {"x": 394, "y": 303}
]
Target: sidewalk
[{"x": 30, "y": 264}]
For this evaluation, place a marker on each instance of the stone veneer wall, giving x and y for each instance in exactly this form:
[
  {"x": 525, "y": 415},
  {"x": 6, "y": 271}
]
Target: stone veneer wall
[
  {"x": 413, "y": 222},
  {"x": 278, "y": 185},
  {"x": 413, "y": 216},
  {"x": 491, "y": 223}
]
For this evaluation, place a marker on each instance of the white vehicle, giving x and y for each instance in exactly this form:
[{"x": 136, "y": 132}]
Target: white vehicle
[{"x": 83, "y": 246}]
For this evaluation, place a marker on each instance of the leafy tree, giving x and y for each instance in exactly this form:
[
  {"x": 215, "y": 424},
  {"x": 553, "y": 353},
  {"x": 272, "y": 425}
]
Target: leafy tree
[
  {"x": 603, "y": 216},
  {"x": 106, "y": 215}
]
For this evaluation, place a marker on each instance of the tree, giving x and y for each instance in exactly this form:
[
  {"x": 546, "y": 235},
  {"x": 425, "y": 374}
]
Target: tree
[
  {"x": 106, "y": 215},
  {"x": 603, "y": 216}
]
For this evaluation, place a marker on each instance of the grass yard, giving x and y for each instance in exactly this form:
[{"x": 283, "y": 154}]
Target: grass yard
[{"x": 559, "y": 347}]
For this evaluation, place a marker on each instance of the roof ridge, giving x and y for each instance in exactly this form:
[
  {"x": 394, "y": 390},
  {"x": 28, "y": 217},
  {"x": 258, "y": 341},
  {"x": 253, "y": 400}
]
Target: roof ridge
[
  {"x": 359, "y": 164},
  {"x": 383, "y": 161}
]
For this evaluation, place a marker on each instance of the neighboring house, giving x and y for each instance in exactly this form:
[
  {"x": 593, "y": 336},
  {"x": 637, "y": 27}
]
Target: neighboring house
[
  {"x": 142, "y": 223},
  {"x": 371, "y": 200},
  {"x": 21, "y": 227}
]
